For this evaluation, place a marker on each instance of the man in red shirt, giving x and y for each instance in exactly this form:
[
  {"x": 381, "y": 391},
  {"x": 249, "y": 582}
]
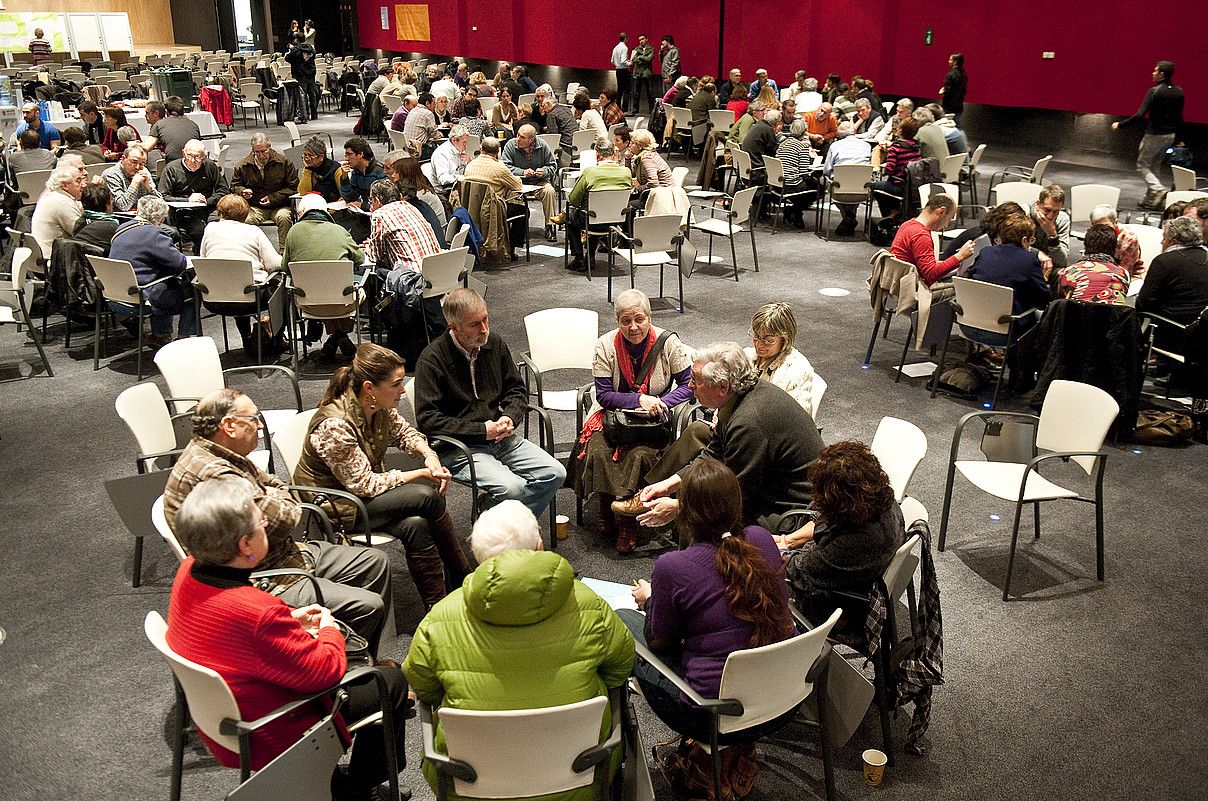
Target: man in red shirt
[{"x": 913, "y": 242}]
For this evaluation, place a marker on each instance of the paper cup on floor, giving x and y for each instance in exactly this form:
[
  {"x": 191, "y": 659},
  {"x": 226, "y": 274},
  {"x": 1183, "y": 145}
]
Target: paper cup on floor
[
  {"x": 874, "y": 766},
  {"x": 563, "y": 524}
]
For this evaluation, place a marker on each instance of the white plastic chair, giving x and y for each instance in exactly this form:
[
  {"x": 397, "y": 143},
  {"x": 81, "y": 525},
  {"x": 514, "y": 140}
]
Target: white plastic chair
[
  {"x": 654, "y": 240},
  {"x": 605, "y": 209},
  {"x": 323, "y": 290},
  {"x": 553, "y": 142},
  {"x": 986, "y": 308},
  {"x": 582, "y": 141},
  {"x": 971, "y": 175},
  {"x": 251, "y": 97},
  {"x": 775, "y": 188},
  {"x": 117, "y": 283},
  {"x": 678, "y": 174},
  {"x": 899, "y": 446},
  {"x": 736, "y": 219},
  {"x": 1185, "y": 180},
  {"x": 1025, "y": 194},
  {"x": 1072, "y": 425},
  {"x": 951, "y": 166},
  {"x": 926, "y": 190},
  {"x": 160, "y": 521},
  {"x": 15, "y": 297},
  {"x": 559, "y": 339},
  {"x": 295, "y": 136},
  {"x": 1149, "y": 237},
  {"x": 1171, "y": 197},
  {"x": 391, "y": 103},
  {"x": 761, "y": 684},
  {"x": 1084, "y": 198},
  {"x": 491, "y": 754},
  {"x": 31, "y": 185},
  {"x": 722, "y": 119},
  {"x": 144, "y": 410},
  {"x": 1033, "y": 174},
  {"x": 848, "y": 184},
  {"x": 226, "y": 281}
]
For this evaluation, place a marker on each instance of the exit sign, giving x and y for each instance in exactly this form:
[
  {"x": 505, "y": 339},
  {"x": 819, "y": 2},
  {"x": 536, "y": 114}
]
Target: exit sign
[{"x": 928, "y": 36}]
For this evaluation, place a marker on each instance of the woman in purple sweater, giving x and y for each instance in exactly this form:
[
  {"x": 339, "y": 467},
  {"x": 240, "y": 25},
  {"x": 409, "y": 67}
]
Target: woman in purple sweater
[{"x": 723, "y": 593}]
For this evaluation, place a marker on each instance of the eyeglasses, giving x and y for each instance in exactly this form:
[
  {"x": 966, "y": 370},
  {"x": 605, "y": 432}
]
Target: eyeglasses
[
  {"x": 766, "y": 339},
  {"x": 255, "y": 417}
]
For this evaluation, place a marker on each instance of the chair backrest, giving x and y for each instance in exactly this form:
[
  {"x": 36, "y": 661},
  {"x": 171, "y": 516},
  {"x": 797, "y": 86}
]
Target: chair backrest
[
  {"x": 1084, "y": 197},
  {"x": 899, "y": 446},
  {"x": 722, "y": 119},
  {"x": 1184, "y": 179},
  {"x": 553, "y": 141},
  {"x": 982, "y": 304},
  {"x": 770, "y": 680},
  {"x": 503, "y": 747},
  {"x": 397, "y": 140},
  {"x": 1075, "y": 417},
  {"x": 1039, "y": 169},
  {"x": 587, "y": 159},
  {"x": 527, "y": 97},
  {"x": 251, "y": 91},
  {"x": 294, "y": 155},
  {"x": 678, "y": 176},
  {"x": 295, "y": 136},
  {"x": 656, "y": 232},
  {"x": 742, "y": 162},
  {"x": 680, "y": 117},
  {"x": 901, "y": 567},
  {"x": 742, "y": 205},
  {"x": 391, "y": 102},
  {"x": 224, "y": 280},
  {"x": 459, "y": 238},
  {"x": 926, "y": 190},
  {"x": 116, "y": 279},
  {"x": 774, "y": 171},
  {"x": 607, "y": 207},
  {"x": 583, "y": 140},
  {"x": 1171, "y": 197},
  {"x": 1021, "y": 192},
  {"x": 950, "y": 167},
  {"x": 32, "y": 184},
  {"x": 562, "y": 339},
  {"x": 487, "y": 104},
  {"x": 210, "y": 699},
  {"x": 144, "y": 411},
  {"x": 641, "y": 124},
  {"x": 160, "y": 521},
  {"x": 290, "y": 436},
  {"x": 323, "y": 282},
  {"x": 192, "y": 368},
  {"x": 851, "y": 178},
  {"x": 301, "y": 772},
  {"x": 1149, "y": 237},
  {"x": 976, "y": 158},
  {"x": 444, "y": 269}
]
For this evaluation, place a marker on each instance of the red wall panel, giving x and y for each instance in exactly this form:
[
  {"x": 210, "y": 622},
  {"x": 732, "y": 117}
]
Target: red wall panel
[{"x": 1103, "y": 55}]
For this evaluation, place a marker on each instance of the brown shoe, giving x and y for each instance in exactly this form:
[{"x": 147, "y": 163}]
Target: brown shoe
[
  {"x": 630, "y": 507},
  {"x": 627, "y": 534},
  {"x": 558, "y": 219},
  {"x": 606, "y": 523}
]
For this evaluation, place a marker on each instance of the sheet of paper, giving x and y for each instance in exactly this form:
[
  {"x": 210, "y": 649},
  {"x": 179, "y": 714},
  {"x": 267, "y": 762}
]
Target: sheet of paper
[
  {"x": 616, "y": 595},
  {"x": 919, "y": 370}
]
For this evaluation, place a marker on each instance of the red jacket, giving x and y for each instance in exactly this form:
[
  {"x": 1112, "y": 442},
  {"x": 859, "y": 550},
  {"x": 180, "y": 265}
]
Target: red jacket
[{"x": 267, "y": 659}]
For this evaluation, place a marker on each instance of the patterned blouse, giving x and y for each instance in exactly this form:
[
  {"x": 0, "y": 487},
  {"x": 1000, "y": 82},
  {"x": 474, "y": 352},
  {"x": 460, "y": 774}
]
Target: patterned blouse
[
  {"x": 1095, "y": 279},
  {"x": 335, "y": 441}
]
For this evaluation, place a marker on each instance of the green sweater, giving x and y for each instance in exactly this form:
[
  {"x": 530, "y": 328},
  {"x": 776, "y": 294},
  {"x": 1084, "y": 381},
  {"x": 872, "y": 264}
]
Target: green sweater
[
  {"x": 605, "y": 175},
  {"x": 739, "y": 130},
  {"x": 316, "y": 238},
  {"x": 521, "y": 633}
]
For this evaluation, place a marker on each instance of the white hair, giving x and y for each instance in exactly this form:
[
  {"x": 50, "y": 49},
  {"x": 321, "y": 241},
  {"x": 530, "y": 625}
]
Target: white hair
[
  {"x": 1104, "y": 212},
  {"x": 725, "y": 365},
  {"x": 60, "y": 175},
  {"x": 632, "y": 299},
  {"x": 772, "y": 116},
  {"x": 508, "y": 526},
  {"x": 846, "y": 129},
  {"x": 311, "y": 201}
]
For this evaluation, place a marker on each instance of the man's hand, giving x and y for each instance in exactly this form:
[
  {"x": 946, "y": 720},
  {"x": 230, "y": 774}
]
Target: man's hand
[
  {"x": 659, "y": 489},
  {"x": 197, "y": 197},
  {"x": 246, "y": 193},
  {"x": 965, "y": 252},
  {"x": 661, "y": 511},
  {"x": 1115, "y": 126},
  {"x": 499, "y": 429},
  {"x": 641, "y": 592}
]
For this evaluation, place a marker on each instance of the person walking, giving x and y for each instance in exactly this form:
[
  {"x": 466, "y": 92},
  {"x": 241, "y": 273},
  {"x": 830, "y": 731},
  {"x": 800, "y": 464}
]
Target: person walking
[{"x": 1164, "y": 105}]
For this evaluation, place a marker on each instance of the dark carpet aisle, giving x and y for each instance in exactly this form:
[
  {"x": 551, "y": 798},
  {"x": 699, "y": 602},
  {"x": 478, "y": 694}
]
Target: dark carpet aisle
[{"x": 1077, "y": 690}]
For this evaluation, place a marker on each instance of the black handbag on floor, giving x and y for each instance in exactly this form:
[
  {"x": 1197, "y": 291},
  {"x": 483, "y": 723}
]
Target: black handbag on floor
[{"x": 623, "y": 427}]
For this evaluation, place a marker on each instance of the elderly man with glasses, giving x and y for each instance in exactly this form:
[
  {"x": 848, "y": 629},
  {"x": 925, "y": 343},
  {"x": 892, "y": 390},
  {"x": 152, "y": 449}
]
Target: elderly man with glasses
[
  {"x": 129, "y": 180},
  {"x": 195, "y": 180},
  {"x": 266, "y": 180},
  {"x": 355, "y": 581}
]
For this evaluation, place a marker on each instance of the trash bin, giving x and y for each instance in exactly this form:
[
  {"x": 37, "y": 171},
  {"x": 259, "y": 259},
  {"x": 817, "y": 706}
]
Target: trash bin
[{"x": 172, "y": 81}]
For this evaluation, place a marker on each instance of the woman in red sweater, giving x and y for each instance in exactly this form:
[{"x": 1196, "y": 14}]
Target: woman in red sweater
[{"x": 268, "y": 653}]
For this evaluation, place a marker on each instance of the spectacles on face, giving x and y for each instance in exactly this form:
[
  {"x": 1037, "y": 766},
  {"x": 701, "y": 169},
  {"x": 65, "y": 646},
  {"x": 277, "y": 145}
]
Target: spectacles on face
[
  {"x": 261, "y": 153},
  {"x": 136, "y": 162},
  {"x": 762, "y": 339},
  {"x": 253, "y": 417},
  {"x": 194, "y": 156}
]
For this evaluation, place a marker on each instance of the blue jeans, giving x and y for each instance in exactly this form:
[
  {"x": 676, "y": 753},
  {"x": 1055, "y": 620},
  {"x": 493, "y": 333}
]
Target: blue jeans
[
  {"x": 512, "y": 469},
  {"x": 162, "y": 323}
]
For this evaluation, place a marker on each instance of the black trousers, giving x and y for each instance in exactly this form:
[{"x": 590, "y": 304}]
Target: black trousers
[
  {"x": 367, "y": 767},
  {"x": 405, "y": 512},
  {"x": 644, "y": 86},
  {"x": 623, "y": 86}
]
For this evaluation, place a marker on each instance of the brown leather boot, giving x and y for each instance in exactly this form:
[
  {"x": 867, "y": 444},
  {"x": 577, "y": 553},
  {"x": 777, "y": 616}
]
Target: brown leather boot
[
  {"x": 428, "y": 572},
  {"x": 444, "y": 536},
  {"x": 606, "y": 522},
  {"x": 627, "y": 534}
]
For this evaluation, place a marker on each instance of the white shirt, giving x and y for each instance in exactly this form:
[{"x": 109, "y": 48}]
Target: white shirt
[
  {"x": 231, "y": 239},
  {"x": 620, "y": 56},
  {"x": 848, "y": 150},
  {"x": 445, "y": 87},
  {"x": 591, "y": 119},
  {"x": 447, "y": 164},
  {"x": 808, "y": 101}
]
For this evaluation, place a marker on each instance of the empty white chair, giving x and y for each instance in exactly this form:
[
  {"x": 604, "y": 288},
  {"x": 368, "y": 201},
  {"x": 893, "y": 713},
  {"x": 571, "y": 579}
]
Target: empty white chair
[
  {"x": 899, "y": 446},
  {"x": 1084, "y": 197},
  {"x": 1171, "y": 197},
  {"x": 15, "y": 297},
  {"x": 926, "y": 190},
  {"x": 1021, "y": 192},
  {"x": 559, "y": 339},
  {"x": 655, "y": 238}
]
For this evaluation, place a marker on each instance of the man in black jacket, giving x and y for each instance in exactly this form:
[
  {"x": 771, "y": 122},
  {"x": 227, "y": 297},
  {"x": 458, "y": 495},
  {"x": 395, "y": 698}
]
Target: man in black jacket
[
  {"x": 760, "y": 141},
  {"x": 1176, "y": 282},
  {"x": 193, "y": 179},
  {"x": 467, "y": 387},
  {"x": 1164, "y": 105}
]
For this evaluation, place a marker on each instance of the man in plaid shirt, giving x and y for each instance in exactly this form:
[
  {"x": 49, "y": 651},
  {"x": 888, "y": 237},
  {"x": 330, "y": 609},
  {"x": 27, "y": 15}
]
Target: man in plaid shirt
[{"x": 355, "y": 581}]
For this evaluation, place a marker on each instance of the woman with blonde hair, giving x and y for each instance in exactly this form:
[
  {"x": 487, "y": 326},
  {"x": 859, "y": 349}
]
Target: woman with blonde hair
[
  {"x": 650, "y": 170},
  {"x": 767, "y": 96},
  {"x": 773, "y": 331}
]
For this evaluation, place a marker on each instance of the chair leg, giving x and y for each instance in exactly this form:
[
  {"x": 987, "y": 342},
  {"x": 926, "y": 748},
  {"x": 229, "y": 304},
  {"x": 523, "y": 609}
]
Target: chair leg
[
  {"x": 96, "y": 336},
  {"x": 33, "y": 332},
  {"x": 876, "y": 329},
  {"x": 947, "y": 503},
  {"x": 881, "y": 677},
  {"x": 716, "y": 755},
  {"x": 905, "y": 346},
  {"x": 939, "y": 368},
  {"x": 754, "y": 252},
  {"x": 178, "y": 741},
  {"x": 1006, "y": 588},
  {"x": 1099, "y": 528},
  {"x": 141, "y": 303},
  {"x": 137, "y": 579},
  {"x": 733, "y": 254},
  {"x": 1036, "y": 520}
]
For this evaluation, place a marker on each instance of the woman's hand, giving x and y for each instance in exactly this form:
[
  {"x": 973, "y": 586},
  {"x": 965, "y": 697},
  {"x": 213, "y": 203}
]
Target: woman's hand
[
  {"x": 796, "y": 538},
  {"x": 641, "y": 592},
  {"x": 653, "y": 406},
  {"x": 660, "y": 512},
  {"x": 437, "y": 471},
  {"x": 309, "y": 617}
]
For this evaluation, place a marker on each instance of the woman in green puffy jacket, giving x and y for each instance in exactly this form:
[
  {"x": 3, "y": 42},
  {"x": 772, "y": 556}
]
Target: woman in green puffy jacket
[{"x": 521, "y": 633}]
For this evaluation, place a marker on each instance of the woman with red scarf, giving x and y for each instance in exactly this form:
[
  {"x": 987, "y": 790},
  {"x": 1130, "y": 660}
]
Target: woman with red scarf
[{"x": 640, "y": 369}]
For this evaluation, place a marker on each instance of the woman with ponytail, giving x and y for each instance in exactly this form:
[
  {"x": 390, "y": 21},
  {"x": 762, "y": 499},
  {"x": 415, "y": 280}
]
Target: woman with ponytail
[
  {"x": 356, "y": 423},
  {"x": 724, "y": 592}
]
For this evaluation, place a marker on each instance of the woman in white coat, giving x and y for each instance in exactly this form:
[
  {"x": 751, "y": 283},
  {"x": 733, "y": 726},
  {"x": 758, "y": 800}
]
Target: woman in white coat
[{"x": 773, "y": 330}]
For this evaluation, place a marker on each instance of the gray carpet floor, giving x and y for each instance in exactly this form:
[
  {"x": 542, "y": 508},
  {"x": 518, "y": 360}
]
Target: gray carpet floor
[{"x": 1078, "y": 689}]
